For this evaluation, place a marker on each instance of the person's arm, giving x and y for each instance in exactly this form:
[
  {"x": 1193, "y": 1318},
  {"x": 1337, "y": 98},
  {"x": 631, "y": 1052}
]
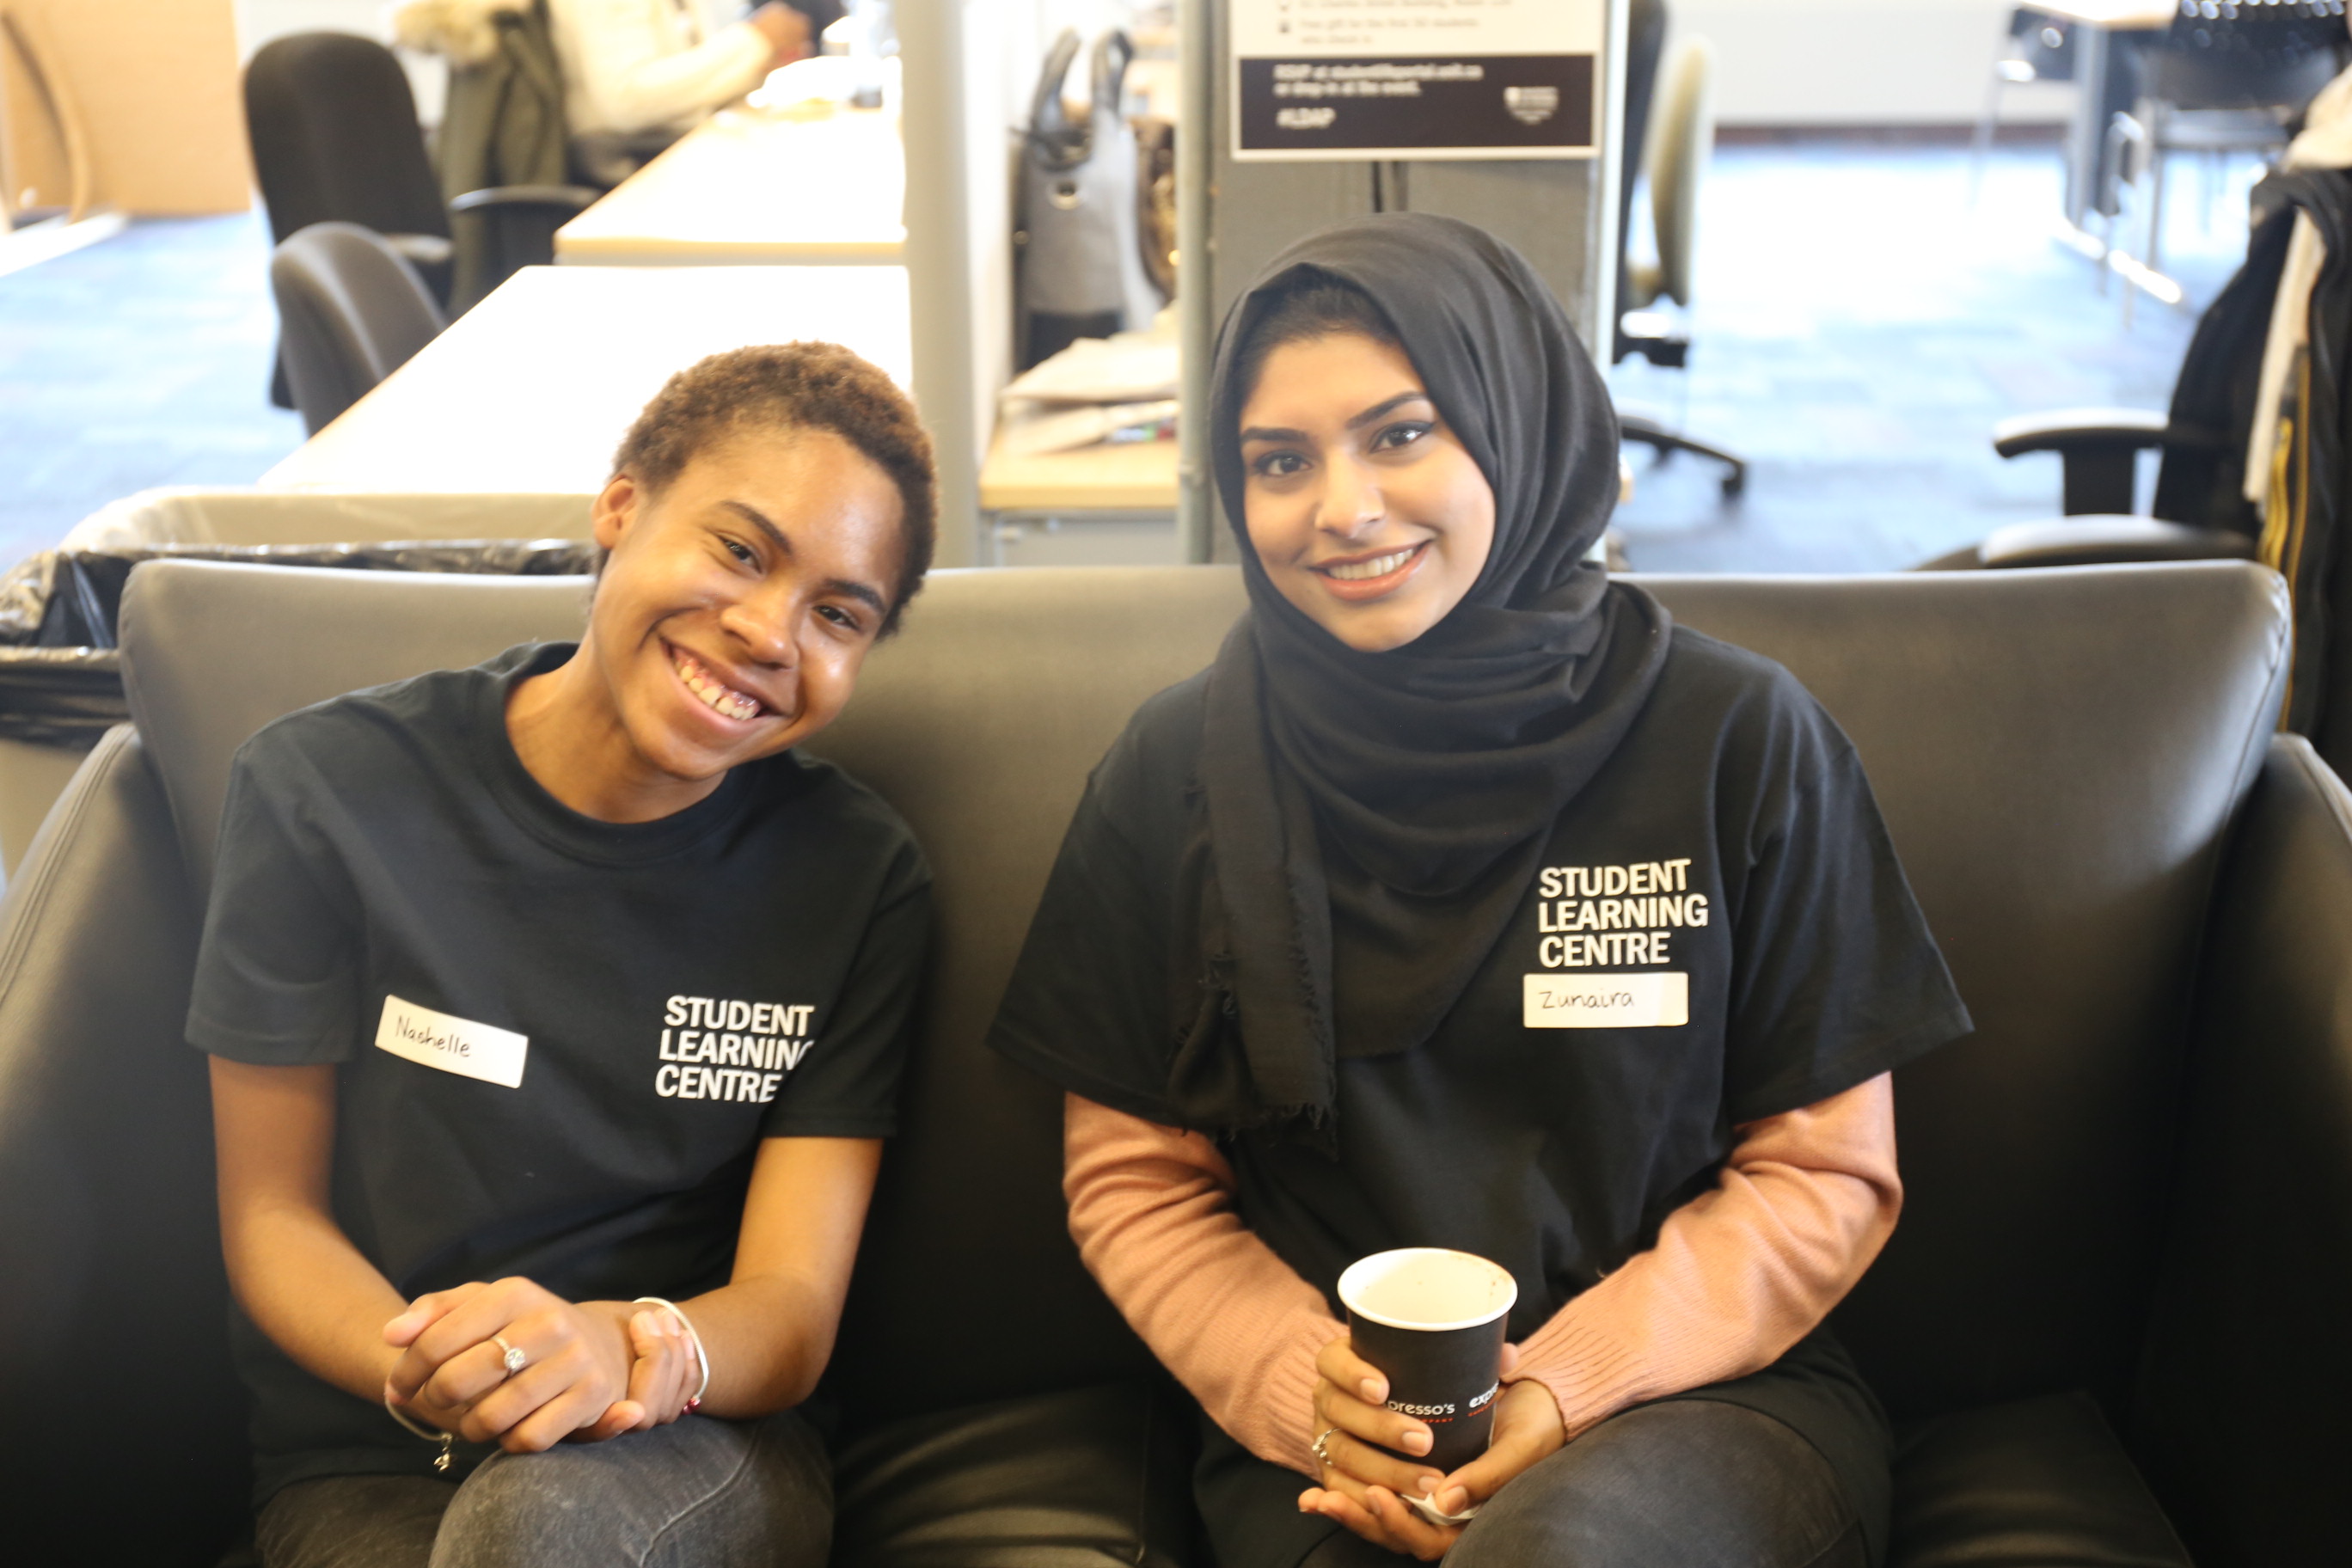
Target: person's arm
[
  {"x": 632, "y": 80},
  {"x": 317, "y": 1297},
  {"x": 1152, "y": 1209},
  {"x": 768, "y": 1332},
  {"x": 1738, "y": 1274},
  {"x": 290, "y": 1266},
  {"x": 771, "y": 1328}
]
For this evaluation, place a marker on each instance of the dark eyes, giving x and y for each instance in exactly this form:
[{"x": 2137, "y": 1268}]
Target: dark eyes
[
  {"x": 1282, "y": 464},
  {"x": 740, "y": 551},
  {"x": 1278, "y": 465},
  {"x": 838, "y": 616}
]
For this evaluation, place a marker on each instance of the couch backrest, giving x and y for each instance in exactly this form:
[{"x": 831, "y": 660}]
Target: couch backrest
[{"x": 2059, "y": 754}]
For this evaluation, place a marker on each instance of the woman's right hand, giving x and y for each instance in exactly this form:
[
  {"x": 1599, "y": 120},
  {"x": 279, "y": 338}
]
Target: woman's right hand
[
  {"x": 576, "y": 1379},
  {"x": 1358, "y": 1432}
]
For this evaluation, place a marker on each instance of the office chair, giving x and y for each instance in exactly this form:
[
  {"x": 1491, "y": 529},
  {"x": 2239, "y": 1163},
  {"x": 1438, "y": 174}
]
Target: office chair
[
  {"x": 335, "y": 139},
  {"x": 352, "y": 310},
  {"x": 2036, "y": 47},
  {"x": 2224, "y": 78},
  {"x": 1669, "y": 140},
  {"x": 2289, "y": 291}
]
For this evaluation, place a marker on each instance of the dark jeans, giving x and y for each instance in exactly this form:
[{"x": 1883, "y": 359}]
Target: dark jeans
[
  {"x": 1691, "y": 1483},
  {"x": 715, "y": 1494}
]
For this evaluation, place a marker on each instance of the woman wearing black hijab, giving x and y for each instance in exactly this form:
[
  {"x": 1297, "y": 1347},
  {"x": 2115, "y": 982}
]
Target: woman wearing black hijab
[{"x": 1308, "y": 961}]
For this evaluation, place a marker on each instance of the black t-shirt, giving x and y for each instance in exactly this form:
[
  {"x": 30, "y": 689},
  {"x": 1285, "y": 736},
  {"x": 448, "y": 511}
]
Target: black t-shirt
[
  {"x": 558, "y": 1040},
  {"x": 1721, "y": 932}
]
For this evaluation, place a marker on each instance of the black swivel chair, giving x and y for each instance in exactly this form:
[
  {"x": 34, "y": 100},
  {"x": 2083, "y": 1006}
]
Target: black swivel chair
[
  {"x": 1636, "y": 331},
  {"x": 2223, "y": 79},
  {"x": 352, "y": 311},
  {"x": 335, "y": 139}
]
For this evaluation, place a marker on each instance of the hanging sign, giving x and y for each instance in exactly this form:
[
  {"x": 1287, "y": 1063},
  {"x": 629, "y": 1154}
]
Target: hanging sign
[{"x": 1415, "y": 79}]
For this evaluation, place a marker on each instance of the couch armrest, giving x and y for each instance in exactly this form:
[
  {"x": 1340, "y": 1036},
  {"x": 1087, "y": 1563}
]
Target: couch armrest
[
  {"x": 2243, "y": 1412},
  {"x": 112, "y": 1301},
  {"x": 2103, "y": 541},
  {"x": 571, "y": 198},
  {"x": 2098, "y": 448}
]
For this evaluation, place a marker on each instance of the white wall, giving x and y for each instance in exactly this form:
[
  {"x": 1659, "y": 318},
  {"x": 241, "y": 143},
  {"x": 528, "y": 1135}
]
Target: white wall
[
  {"x": 258, "y": 21},
  {"x": 1830, "y": 62}
]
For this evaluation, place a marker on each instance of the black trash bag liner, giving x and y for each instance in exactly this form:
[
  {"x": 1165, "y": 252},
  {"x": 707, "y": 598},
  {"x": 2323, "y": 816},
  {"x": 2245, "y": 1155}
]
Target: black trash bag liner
[{"x": 60, "y": 675}]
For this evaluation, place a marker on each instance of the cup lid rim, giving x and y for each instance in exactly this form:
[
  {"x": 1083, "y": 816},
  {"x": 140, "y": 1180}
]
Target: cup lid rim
[{"x": 1352, "y": 1273}]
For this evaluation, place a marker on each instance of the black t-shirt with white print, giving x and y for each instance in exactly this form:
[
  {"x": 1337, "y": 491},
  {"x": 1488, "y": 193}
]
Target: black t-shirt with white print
[
  {"x": 558, "y": 1041},
  {"x": 1720, "y": 932}
]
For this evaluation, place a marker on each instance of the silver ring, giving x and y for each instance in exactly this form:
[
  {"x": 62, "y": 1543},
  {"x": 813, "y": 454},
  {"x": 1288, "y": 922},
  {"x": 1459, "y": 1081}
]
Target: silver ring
[
  {"x": 1322, "y": 1454},
  {"x": 515, "y": 1360}
]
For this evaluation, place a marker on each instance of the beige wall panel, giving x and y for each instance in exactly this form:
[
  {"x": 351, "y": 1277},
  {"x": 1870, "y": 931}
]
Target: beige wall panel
[
  {"x": 32, "y": 159},
  {"x": 156, "y": 85}
]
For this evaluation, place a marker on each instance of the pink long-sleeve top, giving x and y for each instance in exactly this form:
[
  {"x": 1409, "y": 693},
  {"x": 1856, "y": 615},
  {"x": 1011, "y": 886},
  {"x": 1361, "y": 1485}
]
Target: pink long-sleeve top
[{"x": 1737, "y": 1275}]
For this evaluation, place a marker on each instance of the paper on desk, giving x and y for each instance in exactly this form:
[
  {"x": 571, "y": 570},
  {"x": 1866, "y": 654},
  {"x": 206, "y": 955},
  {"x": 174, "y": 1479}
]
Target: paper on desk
[
  {"x": 822, "y": 78},
  {"x": 1125, "y": 367},
  {"x": 1032, "y": 430}
]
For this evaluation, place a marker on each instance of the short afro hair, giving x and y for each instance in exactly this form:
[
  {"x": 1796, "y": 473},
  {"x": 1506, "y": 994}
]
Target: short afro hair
[{"x": 795, "y": 386}]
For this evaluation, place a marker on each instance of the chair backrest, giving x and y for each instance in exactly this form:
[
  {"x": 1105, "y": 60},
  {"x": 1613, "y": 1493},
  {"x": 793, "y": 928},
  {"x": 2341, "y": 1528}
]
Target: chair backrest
[
  {"x": 2059, "y": 755},
  {"x": 2246, "y": 55},
  {"x": 1677, "y": 164},
  {"x": 335, "y": 137},
  {"x": 1646, "y": 43},
  {"x": 352, "y": 311}
]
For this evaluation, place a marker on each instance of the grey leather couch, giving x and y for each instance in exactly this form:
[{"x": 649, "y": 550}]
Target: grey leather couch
[{"x": 2117, "y": 1296}]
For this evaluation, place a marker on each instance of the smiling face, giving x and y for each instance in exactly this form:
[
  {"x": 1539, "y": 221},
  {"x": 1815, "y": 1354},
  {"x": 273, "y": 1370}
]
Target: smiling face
[
  {"x": 1366, "y": 511},
  {"x": 734, "y": 611}
]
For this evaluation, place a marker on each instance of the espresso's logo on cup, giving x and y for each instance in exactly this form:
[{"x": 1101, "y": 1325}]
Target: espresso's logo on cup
[{"x": 1432, "y": 1321}]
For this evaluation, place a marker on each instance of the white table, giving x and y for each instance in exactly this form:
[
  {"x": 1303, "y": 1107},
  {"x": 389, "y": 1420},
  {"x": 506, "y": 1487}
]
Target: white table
[
  {"x": 816, "y": 183},
  {"x": 532, "y": 388}
]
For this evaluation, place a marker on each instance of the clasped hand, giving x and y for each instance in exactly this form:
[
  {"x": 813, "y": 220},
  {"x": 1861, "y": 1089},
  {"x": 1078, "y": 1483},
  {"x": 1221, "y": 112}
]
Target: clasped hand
[
  {"x": 1364, "y": 1485},
  {"x": 591, "y": 1370}
]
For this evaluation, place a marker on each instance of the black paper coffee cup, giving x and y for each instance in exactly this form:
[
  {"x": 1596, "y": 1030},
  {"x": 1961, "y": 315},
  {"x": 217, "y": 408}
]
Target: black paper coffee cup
[{"x": 1432, "y": 1320}]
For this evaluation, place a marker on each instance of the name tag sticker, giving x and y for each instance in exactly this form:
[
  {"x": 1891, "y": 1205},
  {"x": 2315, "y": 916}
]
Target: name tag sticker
[
  {"x": 453, "y": 1045},
  {"x": 1607, "y": 1001}
]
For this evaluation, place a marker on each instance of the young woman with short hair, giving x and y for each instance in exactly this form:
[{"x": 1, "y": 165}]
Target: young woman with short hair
[{"x": 556, "y": 1008}]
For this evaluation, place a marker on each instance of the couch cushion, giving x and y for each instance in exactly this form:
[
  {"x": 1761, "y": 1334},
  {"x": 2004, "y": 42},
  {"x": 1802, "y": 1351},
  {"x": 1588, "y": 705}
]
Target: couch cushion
[
  {"x": 1082, "y": 1479},
  {"x": 2038, "y": 1483},
  {"x": 112, "y": 1301}
]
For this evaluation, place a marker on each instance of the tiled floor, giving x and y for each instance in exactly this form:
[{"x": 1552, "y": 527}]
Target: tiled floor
[{"x": 1858, "y": 326}]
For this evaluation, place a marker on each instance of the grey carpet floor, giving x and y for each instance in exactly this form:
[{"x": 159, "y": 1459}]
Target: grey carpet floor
[
  {"x": 141, "y": 361},
  {"x": 1858, "y": 322}
]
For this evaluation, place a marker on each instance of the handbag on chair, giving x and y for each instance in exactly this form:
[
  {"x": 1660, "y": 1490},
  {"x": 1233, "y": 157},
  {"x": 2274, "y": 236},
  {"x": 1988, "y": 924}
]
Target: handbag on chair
[{"x": 1077, "y": 248}]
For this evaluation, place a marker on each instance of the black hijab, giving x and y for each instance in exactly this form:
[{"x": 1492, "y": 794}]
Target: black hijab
[{"x": 1375, "y": 819}]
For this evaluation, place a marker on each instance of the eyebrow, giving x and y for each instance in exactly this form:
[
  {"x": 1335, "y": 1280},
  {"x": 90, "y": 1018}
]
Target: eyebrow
[
  {"x": 1377, "y": 411},
  {"x": 847, "y": 587}
]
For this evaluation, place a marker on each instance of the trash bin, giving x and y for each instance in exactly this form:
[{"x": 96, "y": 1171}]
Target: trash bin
[{"x": 60, "y": 678}]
